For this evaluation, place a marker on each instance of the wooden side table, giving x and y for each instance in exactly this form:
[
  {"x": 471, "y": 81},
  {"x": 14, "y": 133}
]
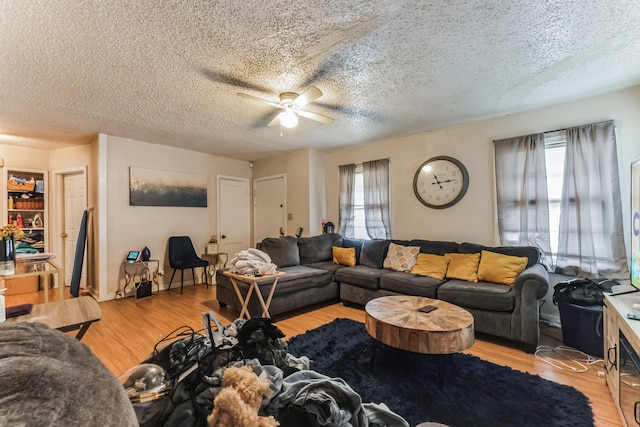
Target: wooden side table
[
  {"x": 397, "y": 322},
  {"x": 65, "y": 315},
  {"x": 253, "y": 284}
]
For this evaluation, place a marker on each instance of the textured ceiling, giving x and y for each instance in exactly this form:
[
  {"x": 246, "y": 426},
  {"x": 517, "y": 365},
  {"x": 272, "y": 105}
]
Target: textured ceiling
[{"x": 168, "y": 72}]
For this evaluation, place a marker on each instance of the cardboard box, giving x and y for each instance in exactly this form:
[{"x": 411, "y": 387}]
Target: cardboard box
[{"x": 24, "y": 285}]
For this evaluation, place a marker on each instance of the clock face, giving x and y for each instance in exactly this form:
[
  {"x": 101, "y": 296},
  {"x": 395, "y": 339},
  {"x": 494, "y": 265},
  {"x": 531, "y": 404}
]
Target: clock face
[{"x": 440, "y": 182}]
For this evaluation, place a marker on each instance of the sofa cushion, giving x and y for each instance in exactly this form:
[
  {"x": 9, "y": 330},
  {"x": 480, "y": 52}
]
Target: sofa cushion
[
  {"x": 434, "y": 247},
  {"x": 354, "y": 243},
  {"x": 400, "y": 258},
  {"x": 374, "y": 252},
  {"x": 298, "y": 277},
  {"x": 361, "y": 275},
  {"x": 327, "y": 266},
  {"x": 498, "y": 268},
  {"x": 532, "y": 253},
  {"x": 344, "y": 256},
  {"x": 317, "y": 248},
  {"x": 410, "y": 284},
  {"x": 282, "y": 250},
  {"x": 463, "y": 266},
  {"x": 481, "y": 295},
  {"x": 430, "y": 265}
]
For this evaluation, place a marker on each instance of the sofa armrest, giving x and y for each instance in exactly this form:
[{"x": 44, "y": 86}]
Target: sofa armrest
[
  {"x": 530, "y": 287},
  {"x": 535, "y": 279}
]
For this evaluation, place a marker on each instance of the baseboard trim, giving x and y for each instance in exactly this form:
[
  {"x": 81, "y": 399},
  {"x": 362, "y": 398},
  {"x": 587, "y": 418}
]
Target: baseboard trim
[{"x": 551, "y": 320}]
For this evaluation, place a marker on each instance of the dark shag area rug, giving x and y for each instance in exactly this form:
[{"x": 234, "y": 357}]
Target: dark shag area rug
[{"x": 475, "y": 393}]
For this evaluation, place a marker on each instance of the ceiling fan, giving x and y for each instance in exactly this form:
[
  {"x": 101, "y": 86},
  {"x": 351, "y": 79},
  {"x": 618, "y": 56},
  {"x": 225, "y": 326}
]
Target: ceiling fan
[{"x": 293, "y": 104}]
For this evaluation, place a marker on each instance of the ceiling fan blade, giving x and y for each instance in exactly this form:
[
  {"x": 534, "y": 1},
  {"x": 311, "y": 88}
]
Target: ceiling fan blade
[
  {"x": 255, "y": 98},
  {"x": 219, "y": 77},
  {"x": 307, "y": 96},
  {"x": 275, "y": 121},
  {"x": 317, "y": 117}
]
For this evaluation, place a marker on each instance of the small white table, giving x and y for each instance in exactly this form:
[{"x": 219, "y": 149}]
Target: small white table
[
  {"x": 137, "y": 270},
  {"x": 253, "y": 284},
  {"x": 214, "y": 261}
]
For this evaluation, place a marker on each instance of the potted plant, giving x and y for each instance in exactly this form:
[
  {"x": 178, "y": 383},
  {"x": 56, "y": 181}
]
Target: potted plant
[{"x": 8, "y": 234}]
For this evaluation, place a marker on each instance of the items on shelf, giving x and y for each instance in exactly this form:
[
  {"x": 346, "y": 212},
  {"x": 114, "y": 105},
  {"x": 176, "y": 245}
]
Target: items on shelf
[{"x": 15, "y": 183}]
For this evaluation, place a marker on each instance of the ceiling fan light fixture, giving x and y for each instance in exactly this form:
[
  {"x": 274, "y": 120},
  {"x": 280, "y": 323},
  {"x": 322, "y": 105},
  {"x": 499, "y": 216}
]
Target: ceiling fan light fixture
[{"x": 288, "y": 118}]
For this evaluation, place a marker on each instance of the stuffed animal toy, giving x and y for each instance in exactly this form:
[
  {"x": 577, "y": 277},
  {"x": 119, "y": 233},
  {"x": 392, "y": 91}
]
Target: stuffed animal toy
[{"x": 239, "y": 400}]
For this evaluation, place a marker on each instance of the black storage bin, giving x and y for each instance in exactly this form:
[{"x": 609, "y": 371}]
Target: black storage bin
[
  {"x": 580, "y": 302},
  {"x": 582, "y": 327}
]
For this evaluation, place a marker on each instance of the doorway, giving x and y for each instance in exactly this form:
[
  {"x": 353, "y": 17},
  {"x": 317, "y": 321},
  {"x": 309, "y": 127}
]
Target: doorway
[
  {"x": 70, "y": 199},
  {"x": 234, "y": 212},
  {"x": 269, "y": 207}
]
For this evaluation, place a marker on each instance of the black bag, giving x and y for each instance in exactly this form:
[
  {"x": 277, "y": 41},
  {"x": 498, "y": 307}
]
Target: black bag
[
  {"x": 581, "y": 291},
  {"x": 192, "y": 362},
  {"x": 145, "y": 286}
]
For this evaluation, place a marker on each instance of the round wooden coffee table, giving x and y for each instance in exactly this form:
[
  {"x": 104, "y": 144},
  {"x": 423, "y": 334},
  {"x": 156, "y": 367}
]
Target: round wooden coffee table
[{"x": 397, "y": 322}]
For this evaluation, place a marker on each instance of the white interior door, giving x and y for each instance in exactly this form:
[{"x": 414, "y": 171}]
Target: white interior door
[
  {"x": 234, "y": 212},
  {"x": 74, "y": 190},
  {"x": 269, "y": 207}
]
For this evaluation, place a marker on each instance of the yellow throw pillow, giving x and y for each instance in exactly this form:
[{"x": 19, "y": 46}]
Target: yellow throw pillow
[
  {"x": 498, "y": 268},
  {"x": 430, "y": 265},
  {"x": 344, "y": 256},
  {"x": 463, "y": 266},
  {"x": 401, "y": 258}
]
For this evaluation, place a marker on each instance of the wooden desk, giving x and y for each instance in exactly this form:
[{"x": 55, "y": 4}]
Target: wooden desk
[
  {"x": 253, "y": 284},
  {"x": 44, "y": 268},
  {"x": 65, "y": 315}
]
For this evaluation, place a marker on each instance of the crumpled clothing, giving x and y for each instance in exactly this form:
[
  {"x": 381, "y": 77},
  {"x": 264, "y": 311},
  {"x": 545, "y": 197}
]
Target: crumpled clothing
[
  {"x": 252, "y": 261},
  {"x": 330, "y": 400}
]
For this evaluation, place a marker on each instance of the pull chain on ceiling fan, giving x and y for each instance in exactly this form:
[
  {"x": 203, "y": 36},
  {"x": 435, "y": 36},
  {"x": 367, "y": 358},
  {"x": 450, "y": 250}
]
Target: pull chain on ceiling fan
[{"x": 292, "y": 104}]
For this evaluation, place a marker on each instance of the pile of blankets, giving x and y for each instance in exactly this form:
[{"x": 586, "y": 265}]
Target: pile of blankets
[{"x": 252, "y": 261}]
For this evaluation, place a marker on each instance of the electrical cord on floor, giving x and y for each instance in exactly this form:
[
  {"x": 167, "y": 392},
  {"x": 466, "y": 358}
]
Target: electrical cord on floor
[{"x": 571, "y": 363}]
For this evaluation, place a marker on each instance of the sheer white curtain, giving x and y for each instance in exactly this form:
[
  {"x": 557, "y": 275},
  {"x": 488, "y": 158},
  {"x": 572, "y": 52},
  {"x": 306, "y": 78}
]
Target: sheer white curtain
[
  {"x": 347, "y": 199},
  {"x": 375, "y": 175},
  {"x": 591, "y": 242},
  {"x": 521, "y": 184}
]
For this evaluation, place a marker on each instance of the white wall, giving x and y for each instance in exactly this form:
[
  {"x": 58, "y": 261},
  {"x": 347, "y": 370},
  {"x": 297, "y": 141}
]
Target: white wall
[
  {"x": 474, "y": 218},
  {"x": 133, "y": 227},
  {"x": 317, "y": 192}
]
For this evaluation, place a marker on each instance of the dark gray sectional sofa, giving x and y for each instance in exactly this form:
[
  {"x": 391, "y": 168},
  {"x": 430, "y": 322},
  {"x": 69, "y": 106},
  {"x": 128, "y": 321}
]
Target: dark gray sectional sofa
[{"x": 505, "y": 311}]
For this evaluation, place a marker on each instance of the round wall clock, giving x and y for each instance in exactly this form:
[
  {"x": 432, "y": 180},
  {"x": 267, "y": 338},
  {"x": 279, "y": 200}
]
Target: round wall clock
[{"x": 440, "y": 182}]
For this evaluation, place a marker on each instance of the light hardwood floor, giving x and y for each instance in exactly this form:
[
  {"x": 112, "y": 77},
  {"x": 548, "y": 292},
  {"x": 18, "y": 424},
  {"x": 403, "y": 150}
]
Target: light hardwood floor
[{"x": 130, "y": 328}]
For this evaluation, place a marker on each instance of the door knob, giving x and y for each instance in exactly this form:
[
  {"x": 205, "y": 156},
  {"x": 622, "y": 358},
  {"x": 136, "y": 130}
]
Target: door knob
[
  {"x": 64, "y": 235},
  {"x": 223, "y": 236}
]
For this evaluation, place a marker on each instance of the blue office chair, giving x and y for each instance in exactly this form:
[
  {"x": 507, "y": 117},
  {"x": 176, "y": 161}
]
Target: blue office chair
[{"x": 182, "y": 255}]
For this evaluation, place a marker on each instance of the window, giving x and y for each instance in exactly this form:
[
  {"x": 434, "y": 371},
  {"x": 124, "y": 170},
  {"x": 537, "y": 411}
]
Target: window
[
  {"x": 555, "y": 145},
  {"x": 364, "y": 200},
  {"x": 560, "y": 191},
  {"x": 359, "y": 225}
]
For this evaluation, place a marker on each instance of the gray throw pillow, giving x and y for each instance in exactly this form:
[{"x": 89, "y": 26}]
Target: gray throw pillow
[{"x": 282, "y": 250}]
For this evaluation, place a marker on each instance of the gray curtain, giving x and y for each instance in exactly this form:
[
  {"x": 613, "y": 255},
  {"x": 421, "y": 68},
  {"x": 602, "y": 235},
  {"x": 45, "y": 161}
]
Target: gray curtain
[
  {"x": 591, "y": 242},
  {"x": 521, "y": 184},
  {"x": 347, "y": 190},
  {"x": 375, "y": 175}
]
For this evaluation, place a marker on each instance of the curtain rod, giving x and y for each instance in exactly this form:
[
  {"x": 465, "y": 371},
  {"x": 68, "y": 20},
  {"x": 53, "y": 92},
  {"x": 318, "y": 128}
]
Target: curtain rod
[{"x": 568, "y": 127}]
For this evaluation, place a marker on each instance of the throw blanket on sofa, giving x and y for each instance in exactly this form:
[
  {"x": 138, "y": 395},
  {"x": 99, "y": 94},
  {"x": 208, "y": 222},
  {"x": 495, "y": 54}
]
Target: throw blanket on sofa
[{"x": 252, "y": 261}]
